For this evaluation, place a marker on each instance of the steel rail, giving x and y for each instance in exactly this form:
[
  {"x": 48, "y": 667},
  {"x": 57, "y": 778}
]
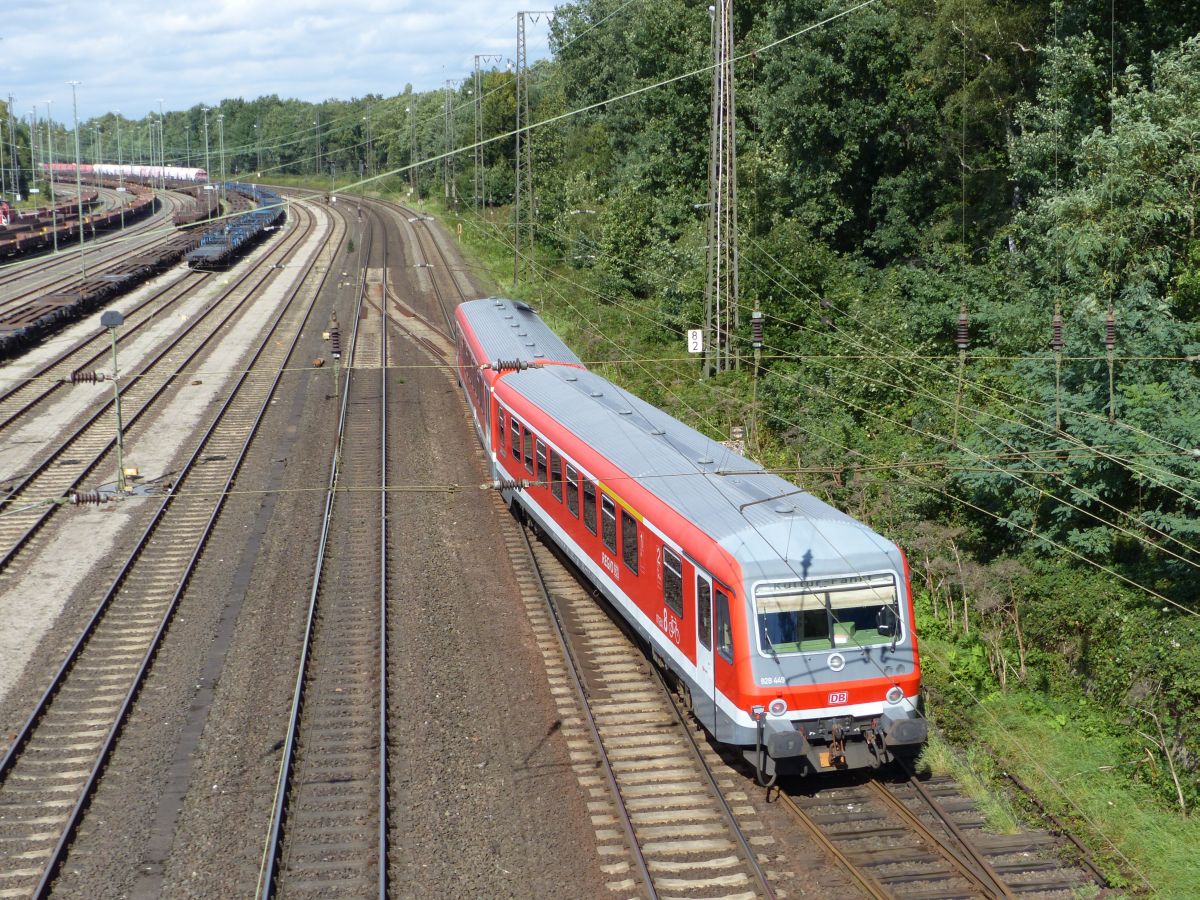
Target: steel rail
[
  {"x": 726, "y": 810},
  {"x": 10, "y": 553},
  {"x": 269, "y": 868},
  {"x": 981, "y": 871},
  {"x": 58, "y": 855},
  {"x": 560, "y": 632},
  {"x": 383, "y": 594},
  {"x": 425, "y": 229},
  {"x": 81, "y": 349},
  {"x": 869, "y": 885},
  {"x": 47, "y": 696}
]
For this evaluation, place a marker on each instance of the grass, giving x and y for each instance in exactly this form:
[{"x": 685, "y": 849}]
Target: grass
[
  {"x": 1087, "y": 776},
  {"x": 973, "y": 769}
]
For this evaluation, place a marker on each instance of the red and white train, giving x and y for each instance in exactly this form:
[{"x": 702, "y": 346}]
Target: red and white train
[
  {"x": 66, "y": 172},
  {"x": 788, "y": 623}
]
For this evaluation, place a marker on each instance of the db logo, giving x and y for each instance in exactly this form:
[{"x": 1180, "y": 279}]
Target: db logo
[{"x": 838, "y": 697}]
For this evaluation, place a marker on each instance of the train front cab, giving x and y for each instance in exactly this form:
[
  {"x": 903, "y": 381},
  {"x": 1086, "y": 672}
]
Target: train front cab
[{"x": 835, "y": 673}]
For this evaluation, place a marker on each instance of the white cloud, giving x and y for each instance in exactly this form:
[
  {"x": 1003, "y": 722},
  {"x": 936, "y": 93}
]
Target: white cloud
[{"x": 128, "y": 53}]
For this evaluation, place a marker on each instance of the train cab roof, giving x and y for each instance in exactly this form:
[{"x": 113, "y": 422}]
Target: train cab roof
[
  {"x": 774, "y": 529},
  {"x": 511, "y": 330}
]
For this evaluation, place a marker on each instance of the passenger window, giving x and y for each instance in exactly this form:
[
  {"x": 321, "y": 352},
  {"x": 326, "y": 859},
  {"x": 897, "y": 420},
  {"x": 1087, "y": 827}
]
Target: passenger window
[
  {"x": 516, "y": 438},
  {"x": 673, "y": 581},
  {"x": 629, "y": 541},
  {"x": 704, "y": 612},
  {"x": 556, "y": 485},
  {"x": 608, "y": 525},
  {"x": 589, "y": 506},
  {"x": 529, "y": 451},
  {"x": 541, "y": 463},
  {"x": 724, "y": 627},
  {"x": 500, "y": 426},
  {"x": 573, "y": 491}
]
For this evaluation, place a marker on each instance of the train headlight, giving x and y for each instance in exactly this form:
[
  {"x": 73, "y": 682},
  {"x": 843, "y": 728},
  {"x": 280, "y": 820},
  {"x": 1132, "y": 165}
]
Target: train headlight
[
  {"x": 777, "y": 707},
  {"x": 895, "y": 694}
]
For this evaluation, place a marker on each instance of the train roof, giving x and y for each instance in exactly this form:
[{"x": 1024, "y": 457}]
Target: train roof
[
  {"x": 771, "y": 527},
  {"x": 511, "y": 330}
]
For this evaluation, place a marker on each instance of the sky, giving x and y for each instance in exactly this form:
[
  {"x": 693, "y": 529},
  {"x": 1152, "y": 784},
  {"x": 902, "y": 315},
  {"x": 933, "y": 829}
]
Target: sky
[{"x": 129, "y": 53}]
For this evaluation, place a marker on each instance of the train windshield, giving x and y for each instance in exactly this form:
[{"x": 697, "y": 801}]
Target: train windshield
[{"x": 836, "y": 613}]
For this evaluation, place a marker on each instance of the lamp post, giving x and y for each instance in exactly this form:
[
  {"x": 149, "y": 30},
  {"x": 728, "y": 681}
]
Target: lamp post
[
  {"x": 78, "y": 177},
  {"x": 33, "y": 146},
  {"x": 120, "y": 171},
  {"x": 412, "y": 148},
  {"x": 112, "y": 320},
  {"x": 318, "y": 124},
  {"x": 50, "y": 178},
  {"x": 207, "y": 161},
  {"x": 162, "y": 147},
  {"x": 221, "y": 133}
]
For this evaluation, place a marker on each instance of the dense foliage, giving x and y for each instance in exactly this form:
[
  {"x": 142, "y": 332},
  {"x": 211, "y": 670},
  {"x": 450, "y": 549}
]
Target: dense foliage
[{"x": 1009, "y": 157}]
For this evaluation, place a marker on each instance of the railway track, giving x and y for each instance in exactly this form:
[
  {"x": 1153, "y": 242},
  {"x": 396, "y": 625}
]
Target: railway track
[
  {"x": 28, "y": 505},
  {"x": 52, "y": 766},
  {"x": 38, "y": 275},
  {"x": 688, "y": 832},
  {"x": 433, "y": 267},
  {"x": 35, "y": 384},
  {"x": 901, "y": 837},
  {"x": 666, "y": 825},
  {"x": 329, "y": 827}
]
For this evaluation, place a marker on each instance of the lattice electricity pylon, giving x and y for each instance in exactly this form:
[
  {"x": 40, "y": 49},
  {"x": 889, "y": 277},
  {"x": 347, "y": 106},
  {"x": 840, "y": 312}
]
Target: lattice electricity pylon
[
  {"x": 480, "y": 57},
  {"x": 448, "y": 158},
  {"x": 524, "y": 161},
  {"x": 721, "y": 259}
]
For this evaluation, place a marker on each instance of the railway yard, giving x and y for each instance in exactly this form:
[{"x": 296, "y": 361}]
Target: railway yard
[{"x": 310, "y": 652}]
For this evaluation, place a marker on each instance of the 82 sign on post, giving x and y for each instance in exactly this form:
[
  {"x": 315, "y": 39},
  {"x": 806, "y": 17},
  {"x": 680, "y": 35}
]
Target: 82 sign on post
[{"x": 695, "y": 340}]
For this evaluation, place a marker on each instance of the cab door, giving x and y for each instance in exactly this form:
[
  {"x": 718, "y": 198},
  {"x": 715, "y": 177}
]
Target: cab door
[{"x": 705, "y": 705}]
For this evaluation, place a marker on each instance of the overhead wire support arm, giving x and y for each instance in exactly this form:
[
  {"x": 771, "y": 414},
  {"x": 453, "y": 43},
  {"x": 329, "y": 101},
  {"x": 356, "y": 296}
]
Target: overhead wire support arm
[{"x": 721, "y": 258}]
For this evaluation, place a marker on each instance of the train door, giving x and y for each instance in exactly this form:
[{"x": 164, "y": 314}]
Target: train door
[{"x": 705, "y": 705}]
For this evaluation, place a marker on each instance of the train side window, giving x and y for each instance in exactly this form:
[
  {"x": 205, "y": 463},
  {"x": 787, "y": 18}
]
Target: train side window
[
  {"x": 541, "y": 463},
  {"x": 573, "y": 491},
  {"x": 589, "y": 506},
  {"x": 529, "y": 438},
  {"x": 556, "y": 485},
  {"x": 704, "y": 612},
  {"x": 629, "y": 541},
  {"x": 608, "y": 522},
  {"x": 500, "y": 426},
  {"x": 516, "y": 438},
  {"x": 724, "y": 627},
  {"x": 673, "y": 581}
]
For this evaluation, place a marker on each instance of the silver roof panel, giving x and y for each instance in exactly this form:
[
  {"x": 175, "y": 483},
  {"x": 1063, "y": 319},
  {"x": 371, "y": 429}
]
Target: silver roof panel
[
  {"x": 511, "y": 330},
  {"x": 772, "y": 528}
]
